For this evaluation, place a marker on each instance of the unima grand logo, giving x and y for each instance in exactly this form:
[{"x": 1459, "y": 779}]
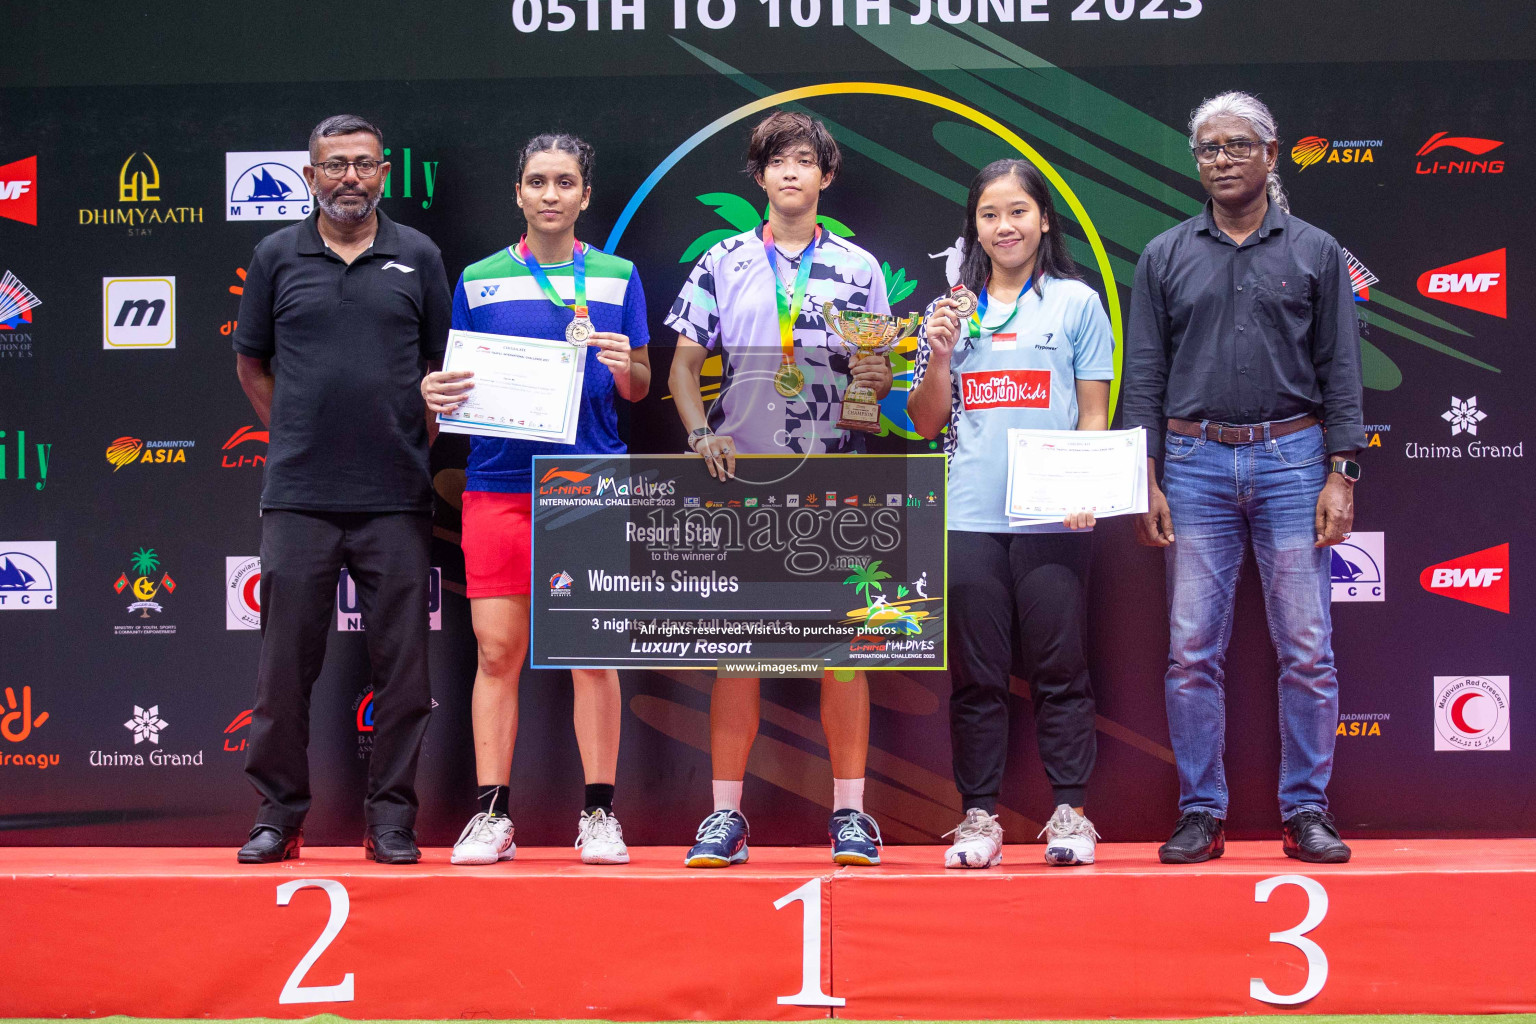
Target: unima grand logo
[
  {"x": 266, "y": 186},
  {"x": 242, "y": 592},
  {"x": 1476, "y": 283},
  {"x": 28, "y": 575},
  {"x": 1457, "y": 154},
  {"x": 18, "y": 191},
  {"x": 1471, "y": 712},
  {"x": 138, "y": 312},
  {"x": 1481, "y": 578},
  {"x": 1006, "y": 389}
]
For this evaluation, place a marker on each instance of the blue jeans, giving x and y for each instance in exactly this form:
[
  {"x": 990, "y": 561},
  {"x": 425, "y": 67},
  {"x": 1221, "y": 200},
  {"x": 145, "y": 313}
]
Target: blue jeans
[{"x": 1222, "y": 496}]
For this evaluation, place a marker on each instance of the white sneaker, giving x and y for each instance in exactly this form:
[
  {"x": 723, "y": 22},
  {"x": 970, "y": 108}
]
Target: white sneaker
[
  {"x": 1069, "y": 838},
  {"x": 485, "y": 840},
  {"x": 601, "y": 839},
  {"x": 978, "y": 841}
]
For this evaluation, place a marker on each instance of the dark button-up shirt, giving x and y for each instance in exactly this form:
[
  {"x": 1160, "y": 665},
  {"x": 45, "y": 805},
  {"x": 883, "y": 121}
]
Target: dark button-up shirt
[
  {"x": 349, "y": 345},
  {"x": 1266, "y": 330}
]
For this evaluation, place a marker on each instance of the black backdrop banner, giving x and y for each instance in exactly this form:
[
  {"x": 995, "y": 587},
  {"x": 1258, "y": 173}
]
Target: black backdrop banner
[{"x": 143, "y": 152}]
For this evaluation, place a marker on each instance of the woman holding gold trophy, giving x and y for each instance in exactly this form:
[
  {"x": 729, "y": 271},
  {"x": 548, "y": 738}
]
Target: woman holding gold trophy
[{"x": 1020, "y": 342}]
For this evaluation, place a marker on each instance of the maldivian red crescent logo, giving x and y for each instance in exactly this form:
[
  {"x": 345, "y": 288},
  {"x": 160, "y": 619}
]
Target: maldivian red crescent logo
[{"x": 1309, "y": 151}]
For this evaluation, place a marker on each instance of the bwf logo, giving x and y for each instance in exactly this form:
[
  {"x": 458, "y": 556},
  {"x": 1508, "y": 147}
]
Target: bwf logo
[{"x": 138, "y": 312}]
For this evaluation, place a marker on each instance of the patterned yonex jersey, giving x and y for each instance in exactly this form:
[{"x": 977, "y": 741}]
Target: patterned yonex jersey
[
  {"x": 499, "y": 295},
  {"x": 1021, "y": 372},
  {"x": 728, "y": 305}
]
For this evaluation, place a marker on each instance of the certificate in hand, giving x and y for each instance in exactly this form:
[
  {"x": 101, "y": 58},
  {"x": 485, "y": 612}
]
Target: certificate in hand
[
  {"x": 1052, "y": 473},
  {"x": 524, "y": 387}
]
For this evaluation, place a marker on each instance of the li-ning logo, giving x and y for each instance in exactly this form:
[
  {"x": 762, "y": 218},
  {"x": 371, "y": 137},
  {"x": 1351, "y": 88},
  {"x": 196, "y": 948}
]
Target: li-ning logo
[
  {"x": 574, "y": 482},
  {"x": 1006, "y": 389},
  {"x": 1468, "y": 144},
  {"x": 392, "y": 265},
  {"x": 245, "y": 435}
]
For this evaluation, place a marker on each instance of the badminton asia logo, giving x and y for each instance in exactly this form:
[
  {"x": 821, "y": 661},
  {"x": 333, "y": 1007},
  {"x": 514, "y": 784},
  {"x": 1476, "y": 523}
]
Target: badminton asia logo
[
  {"x": 140, "y": 579},
  {"x": 1471, "y": 712},
  {"x": 1313, "y": 149},
  {"x": 126, "y": 451}
]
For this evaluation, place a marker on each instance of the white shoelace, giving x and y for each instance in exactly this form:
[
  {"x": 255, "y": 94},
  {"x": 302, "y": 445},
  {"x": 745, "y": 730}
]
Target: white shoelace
[
  {"x": 481, "y": 829},
  {"x": 715, "y": 828},
  {"x": 977, "y": 825},
  {"x": 599, "y": 827},
  {"x": 1073, "y": 825},
  {"x": 853, "y": 828}
]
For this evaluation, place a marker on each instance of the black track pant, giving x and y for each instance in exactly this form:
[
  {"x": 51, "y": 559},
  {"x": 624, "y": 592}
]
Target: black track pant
[
  {"x": 302, "y": 553},
  {"x": 1021, "y": 591}
]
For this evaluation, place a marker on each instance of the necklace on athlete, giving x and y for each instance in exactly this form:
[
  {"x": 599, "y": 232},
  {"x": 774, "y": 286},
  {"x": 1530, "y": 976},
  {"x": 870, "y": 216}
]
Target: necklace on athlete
[
  {"x": 973, "y": 326},
  {"x": 580, "y": 328},
  {"x": 789, "y": 381}
]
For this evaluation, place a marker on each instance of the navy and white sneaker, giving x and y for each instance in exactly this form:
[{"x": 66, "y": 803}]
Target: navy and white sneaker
[
  {"x": 855, "y": 838},
  {"x": 721, "y": 841}
]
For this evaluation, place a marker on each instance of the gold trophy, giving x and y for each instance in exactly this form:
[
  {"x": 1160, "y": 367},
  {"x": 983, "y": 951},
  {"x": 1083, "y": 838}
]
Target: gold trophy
[{"x": 865, "y": 335}]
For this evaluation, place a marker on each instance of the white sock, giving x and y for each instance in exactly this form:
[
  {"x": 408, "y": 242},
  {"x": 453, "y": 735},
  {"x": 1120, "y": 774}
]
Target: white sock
[
  {"x": 727, "y": 795},
  {"x": 847, "y": 794}
]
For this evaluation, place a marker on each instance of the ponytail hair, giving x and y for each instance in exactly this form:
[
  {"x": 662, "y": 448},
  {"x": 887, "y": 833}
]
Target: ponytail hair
[{"x": 1249, "y": 108}]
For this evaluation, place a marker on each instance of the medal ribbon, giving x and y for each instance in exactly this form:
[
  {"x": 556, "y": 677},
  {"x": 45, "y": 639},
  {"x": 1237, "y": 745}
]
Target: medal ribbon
[
  {"x": 578, "y": 258},
  {"x": 789, "y": 305},
  {"x": 973, "y": 328}
]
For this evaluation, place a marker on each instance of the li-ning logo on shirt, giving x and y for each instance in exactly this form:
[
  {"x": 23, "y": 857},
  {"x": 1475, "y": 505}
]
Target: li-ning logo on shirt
[
  {"x": 1046, "y": 344},
  {"x": 1006, "y": 389},
  {"x": 392, "y": 265},
  {"x": 489, "y": 290}
]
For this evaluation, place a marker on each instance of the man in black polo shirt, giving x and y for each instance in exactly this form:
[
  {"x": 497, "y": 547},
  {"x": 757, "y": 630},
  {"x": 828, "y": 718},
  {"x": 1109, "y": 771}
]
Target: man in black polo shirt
[
  {"x": 1243, "y": 364},
  {"x": 342, "y": 315}
]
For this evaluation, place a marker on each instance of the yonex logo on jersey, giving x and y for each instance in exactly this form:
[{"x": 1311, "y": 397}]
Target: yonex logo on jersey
[
  {"x": 743, "y": 265},
  {"x": 489, "y": 290},
  {"x": 392, "y": 265},
  {"x": 1006, "y": 389}
]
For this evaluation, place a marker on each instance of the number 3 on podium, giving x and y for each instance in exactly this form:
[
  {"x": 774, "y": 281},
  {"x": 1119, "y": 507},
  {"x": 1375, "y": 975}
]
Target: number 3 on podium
[{"x": 1317, "y": 960}]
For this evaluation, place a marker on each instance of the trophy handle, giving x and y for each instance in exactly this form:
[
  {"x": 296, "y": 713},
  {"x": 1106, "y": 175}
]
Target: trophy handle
[
  {"x": 830, "y": 315},
  {"x": 909, "y": 327}
]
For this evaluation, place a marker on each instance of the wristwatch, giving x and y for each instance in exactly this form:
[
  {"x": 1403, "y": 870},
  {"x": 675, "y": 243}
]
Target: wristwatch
[
  {"x": 696, "y": 435},
  {"x": 1349, "y": 469}
]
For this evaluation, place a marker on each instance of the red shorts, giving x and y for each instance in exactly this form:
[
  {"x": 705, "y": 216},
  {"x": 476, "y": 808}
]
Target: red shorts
[{"x": 498, "y": 543}]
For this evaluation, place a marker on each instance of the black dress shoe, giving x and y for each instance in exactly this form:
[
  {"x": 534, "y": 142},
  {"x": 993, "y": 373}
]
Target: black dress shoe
[
  {"x": 1312, "y": 837},
  {"x": 1197, "y": 837},
  {"x": 269, "y": 844},
  {"x": 391, "y": 844}
]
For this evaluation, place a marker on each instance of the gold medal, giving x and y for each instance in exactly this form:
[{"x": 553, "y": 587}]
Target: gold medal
[
  {"x": 789, "y": 381},
  {"x": 579, "y": 329},
  {"x": 965, "y": 300}
]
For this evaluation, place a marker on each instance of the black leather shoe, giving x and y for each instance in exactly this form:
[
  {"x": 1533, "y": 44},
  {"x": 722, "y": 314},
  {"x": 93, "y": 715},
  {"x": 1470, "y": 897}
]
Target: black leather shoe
[
  {"x": 1312, "y": 837},
  {"x": 391, "y": 844},
  {"x": 269, "y": 844},
  {"x": 1197, "y": 837}
]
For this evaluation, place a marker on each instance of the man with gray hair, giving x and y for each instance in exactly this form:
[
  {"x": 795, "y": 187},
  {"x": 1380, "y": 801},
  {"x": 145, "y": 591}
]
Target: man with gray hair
[
  {"x": 1243, "y": 364},
  {"x": 342, "y": 314}
]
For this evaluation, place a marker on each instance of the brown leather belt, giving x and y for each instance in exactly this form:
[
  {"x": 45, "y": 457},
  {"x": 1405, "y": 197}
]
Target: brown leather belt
[{"x": 1247, "y": 434}]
